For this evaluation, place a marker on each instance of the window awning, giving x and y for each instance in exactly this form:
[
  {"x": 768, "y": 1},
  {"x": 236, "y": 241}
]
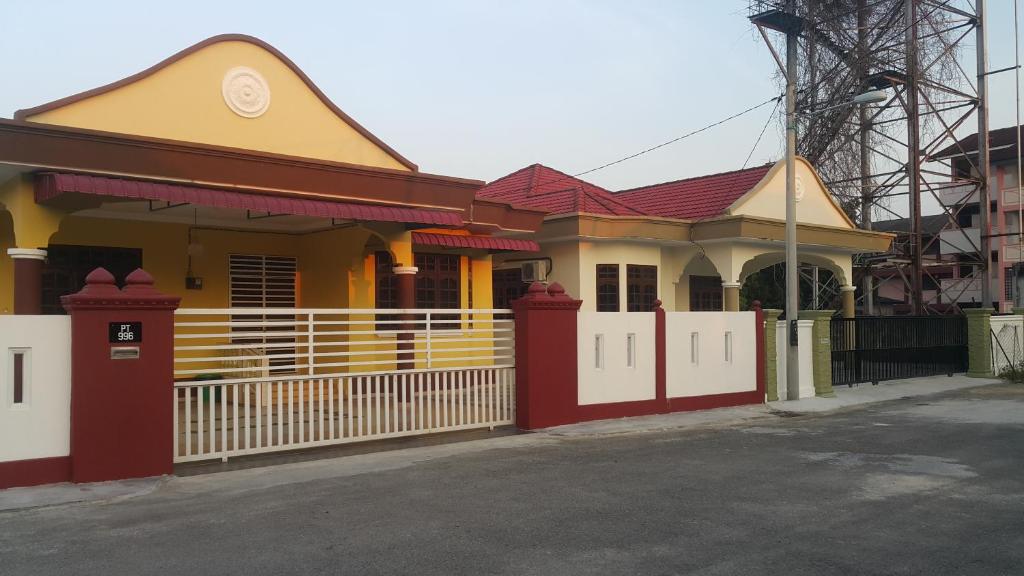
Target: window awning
[
  {"x": 484, "y": 242},
  {"x": 51, "y": 185}
]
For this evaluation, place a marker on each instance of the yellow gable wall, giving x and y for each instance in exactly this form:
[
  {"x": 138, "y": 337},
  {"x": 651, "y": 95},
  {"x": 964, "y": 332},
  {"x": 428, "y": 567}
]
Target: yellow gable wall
[
  {"x": 183, "y": 101},
  {"x": 768, "y": 200}
]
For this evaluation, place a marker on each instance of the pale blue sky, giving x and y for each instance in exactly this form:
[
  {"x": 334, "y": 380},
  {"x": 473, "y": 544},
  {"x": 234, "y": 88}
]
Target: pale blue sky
[{"x": 468, "y": 88}]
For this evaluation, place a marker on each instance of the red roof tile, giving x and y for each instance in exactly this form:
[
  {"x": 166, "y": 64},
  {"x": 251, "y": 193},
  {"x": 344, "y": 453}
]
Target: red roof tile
[
  {"x": 694, "y": 198},
  {"x": 51, "y": 185},
  {"x": 538, "y": 186},
  {"x": 485, "y": 242}
]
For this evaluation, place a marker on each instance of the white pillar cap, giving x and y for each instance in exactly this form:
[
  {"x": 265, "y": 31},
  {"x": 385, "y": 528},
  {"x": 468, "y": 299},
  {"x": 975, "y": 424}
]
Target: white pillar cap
[
  {"x": 405, "y": 269},
  {"x": 26, "y": 253},
  {"x": 730, "y": 284},
  {"x": 847, "y": 288}
]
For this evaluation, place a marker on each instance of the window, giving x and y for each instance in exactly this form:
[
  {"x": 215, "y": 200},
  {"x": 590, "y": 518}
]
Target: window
[
  {"x": 265, "y": 282},
  {"x": 641, "y": 287},
  {"x": 1008, "y": 283},
  {"x": 67, "y": 266},
  {"x": 507, "y": 285},
  {"x": 387, "y": 297},
  {"x": 607, "y": 287},
  {"x": 262, "y": 281},
  {"x": 705, "y": 294},
  {"x": 438, "y": 285},
  {"x": 437, "y": 280}
]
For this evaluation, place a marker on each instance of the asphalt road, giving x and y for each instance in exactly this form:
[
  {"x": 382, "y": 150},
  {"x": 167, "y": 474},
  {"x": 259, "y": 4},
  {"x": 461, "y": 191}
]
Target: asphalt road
[{"x": 931, "y": 485}]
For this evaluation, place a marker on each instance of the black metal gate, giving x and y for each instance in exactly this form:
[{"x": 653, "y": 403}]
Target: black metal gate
[{"x": 876, "y": 348}]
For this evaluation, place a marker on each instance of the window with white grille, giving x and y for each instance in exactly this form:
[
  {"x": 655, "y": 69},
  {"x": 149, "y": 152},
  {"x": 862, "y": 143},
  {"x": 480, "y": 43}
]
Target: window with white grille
[
  {"x": 265, "y": 282},
  {"x": 262, "y": 281}
]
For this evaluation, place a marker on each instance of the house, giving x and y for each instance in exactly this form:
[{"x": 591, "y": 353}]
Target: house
[
  {"x": 236, "y": 182},
  {"x": 690, "y": 243},
  {"x": 892, "y": 292},
  {"x": 1004, "y": 186}
]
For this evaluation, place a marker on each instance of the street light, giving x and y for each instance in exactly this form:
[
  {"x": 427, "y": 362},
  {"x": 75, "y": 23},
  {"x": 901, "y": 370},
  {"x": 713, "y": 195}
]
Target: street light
[{"x": 792, "y": 263}]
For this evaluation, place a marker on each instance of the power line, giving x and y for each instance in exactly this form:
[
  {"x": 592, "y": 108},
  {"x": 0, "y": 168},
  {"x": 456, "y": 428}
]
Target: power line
[
  {"x": 775, "y": 99},
  {"x": 761, "y": 135}
]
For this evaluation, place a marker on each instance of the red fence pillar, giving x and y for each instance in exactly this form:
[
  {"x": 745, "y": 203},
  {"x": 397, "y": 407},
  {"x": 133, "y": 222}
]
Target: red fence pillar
[
  {"x": 122, "y": 375},
  {"x": 546, "y": 364}
]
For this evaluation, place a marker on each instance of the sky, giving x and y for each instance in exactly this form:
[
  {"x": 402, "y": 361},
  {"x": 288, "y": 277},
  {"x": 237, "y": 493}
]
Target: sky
[{"x": 471, "y": 88}]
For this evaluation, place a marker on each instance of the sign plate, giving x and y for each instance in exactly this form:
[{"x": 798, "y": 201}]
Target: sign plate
[{"x": 125, "y": 332}]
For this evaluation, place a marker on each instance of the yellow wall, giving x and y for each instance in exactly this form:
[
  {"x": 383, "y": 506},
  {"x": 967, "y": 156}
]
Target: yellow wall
[
  {"x": 6, "y": 264},
  {"x": 323, "y": 258},
  {"x": 183, "y": 101}
]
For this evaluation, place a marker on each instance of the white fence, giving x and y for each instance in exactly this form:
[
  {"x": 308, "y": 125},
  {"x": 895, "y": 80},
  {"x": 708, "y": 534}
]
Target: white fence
[
  {"x": 260, "y": 380},
  {"x": 35, "y": 387},
  {"x": 710, "y": 353},
  {"x": 615, "y": 356},
  {"x": 1007, "y": 342},
  {"x": 214, "y": 420}
]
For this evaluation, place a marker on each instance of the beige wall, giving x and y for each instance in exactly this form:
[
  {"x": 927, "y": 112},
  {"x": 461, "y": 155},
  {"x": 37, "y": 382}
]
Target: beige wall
[
  {"x": 768, "y": 199},
  {"x": 183, "y": 101}
]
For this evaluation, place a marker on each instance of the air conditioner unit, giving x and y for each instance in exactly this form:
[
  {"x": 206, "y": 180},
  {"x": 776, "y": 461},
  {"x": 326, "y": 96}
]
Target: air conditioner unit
[{"x": 534, "y": 271}]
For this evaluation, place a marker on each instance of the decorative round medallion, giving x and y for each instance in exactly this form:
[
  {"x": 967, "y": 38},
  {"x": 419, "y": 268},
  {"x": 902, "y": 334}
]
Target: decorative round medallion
[
  {"x": 799, "y": 189},
  {"x": 245, "y": 92}
]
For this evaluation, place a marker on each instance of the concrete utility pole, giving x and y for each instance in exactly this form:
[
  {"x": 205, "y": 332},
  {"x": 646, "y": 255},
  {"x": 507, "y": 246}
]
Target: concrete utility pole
[
  {"x": 866, "y": 184},
  {"x": 792, "y": 263},
  {"x": 984, "y": 204},
  {"x": 914, "y": 158}
]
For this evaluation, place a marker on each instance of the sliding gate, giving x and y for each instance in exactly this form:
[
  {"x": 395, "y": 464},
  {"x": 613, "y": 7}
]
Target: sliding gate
[
  {"x": 876, "y": 348},
  {"x": 263, "y": 380}
]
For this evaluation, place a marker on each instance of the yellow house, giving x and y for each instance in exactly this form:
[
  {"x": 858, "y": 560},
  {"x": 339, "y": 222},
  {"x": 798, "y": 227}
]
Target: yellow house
[
  {"x": 231, "y": 178},
  {"x": 689, "y": 243}
]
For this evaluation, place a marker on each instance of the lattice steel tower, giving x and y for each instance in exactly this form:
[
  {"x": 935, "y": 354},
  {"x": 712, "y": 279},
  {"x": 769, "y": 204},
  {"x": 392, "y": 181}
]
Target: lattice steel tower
[{"x": 881, "y": 159}]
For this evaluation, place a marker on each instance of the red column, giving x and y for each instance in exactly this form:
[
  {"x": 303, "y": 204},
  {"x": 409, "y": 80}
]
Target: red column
[
  {"x": 122, "y": 376},
  {"x": 405, "y": 297},
  {"x": 546, "y": 369},
  {"x": 28, "y": 278}
]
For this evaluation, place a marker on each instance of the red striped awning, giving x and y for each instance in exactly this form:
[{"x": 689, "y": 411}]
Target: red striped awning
[
  {"x": 484, "y": 242},
  {"x": 52, "y": 185}
]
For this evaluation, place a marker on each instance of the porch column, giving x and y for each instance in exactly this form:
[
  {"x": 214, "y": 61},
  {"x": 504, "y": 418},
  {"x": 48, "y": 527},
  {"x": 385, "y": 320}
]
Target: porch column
[
  {"x": 849, "y": 301},
  {"x": 28, "y": 279},
  {"x": 405, "y": 298},
  {"x": 731, "y": 296}
]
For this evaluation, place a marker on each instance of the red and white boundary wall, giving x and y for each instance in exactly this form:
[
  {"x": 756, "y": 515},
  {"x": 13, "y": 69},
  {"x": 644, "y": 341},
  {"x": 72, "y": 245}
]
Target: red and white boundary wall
[
  {"x": 86, "y": 414},
  {"x": 574, "y": 366}
]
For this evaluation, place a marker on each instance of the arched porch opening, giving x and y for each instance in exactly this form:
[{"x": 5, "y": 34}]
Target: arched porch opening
[{"x": 824, "y": 282}]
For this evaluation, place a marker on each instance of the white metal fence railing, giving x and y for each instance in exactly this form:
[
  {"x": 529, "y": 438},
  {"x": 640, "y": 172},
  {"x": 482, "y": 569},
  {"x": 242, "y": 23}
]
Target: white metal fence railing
[
  {"x": 245, "y": 343},
  {"x": 253, "y": 380},
  {"x": 218, "y": 420}
]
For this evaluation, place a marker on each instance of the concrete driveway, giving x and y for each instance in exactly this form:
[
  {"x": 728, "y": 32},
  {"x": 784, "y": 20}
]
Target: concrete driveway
[{"x": 926, "y": 485}]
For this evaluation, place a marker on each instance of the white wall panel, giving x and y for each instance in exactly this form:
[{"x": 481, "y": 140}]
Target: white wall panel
[
  {"x": 39, "y": 426},
  {"x": 710, "y": 353},
  {"x": 615, "y": 351}
]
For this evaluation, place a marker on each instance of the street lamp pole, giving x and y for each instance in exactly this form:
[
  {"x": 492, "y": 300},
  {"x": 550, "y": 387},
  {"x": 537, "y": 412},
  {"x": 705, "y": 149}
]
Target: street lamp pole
[{"x": 792, "y": 279}]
